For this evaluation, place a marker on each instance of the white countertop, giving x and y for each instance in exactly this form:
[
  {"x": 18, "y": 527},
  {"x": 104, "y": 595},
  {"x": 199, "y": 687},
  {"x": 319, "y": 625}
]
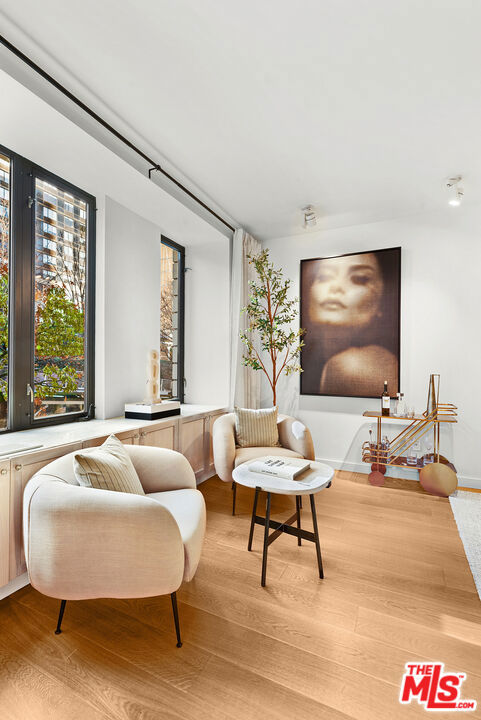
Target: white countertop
[{"x": 46, "y": 437}]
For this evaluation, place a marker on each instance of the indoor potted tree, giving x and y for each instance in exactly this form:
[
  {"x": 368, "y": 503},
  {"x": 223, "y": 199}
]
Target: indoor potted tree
[{"x": 270, "y": 315}]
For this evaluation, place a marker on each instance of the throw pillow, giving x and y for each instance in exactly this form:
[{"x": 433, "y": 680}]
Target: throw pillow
[
  {"x": 107, "y": 467},
  {"x": 256, "y": 428}
]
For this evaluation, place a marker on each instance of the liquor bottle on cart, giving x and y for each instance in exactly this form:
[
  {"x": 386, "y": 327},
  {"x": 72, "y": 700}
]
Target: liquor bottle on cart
[
  {"x": 400, "y": 405},
  {"x": 385, "y": 401}
]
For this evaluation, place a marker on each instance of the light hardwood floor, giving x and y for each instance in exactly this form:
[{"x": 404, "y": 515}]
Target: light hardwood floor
[{"x": 397, "y": 588}]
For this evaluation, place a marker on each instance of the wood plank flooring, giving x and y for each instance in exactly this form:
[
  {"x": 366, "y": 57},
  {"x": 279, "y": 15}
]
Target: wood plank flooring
[{"x": 397, "y": 588}]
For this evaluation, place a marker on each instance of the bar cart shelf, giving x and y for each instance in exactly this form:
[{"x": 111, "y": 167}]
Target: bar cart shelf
[{"x": 396, "y": 453}]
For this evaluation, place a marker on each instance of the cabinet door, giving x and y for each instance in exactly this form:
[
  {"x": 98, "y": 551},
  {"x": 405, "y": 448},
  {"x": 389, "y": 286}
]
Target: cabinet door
[
  {"x": 160, "y": 436},
  {"x": 4, "y": 522},
  {"x": 21, "y": 470},
  {"x": 192, "y": 443},
  {"x": 128, "y": 437}
]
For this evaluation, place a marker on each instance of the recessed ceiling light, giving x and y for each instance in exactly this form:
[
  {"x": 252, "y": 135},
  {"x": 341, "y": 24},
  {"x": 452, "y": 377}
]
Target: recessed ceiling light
[{"x": 456, "y": 192}]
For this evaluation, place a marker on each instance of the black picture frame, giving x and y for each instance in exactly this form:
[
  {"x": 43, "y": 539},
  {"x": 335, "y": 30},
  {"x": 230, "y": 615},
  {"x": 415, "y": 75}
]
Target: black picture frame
[{"x": 342, "y": 358}]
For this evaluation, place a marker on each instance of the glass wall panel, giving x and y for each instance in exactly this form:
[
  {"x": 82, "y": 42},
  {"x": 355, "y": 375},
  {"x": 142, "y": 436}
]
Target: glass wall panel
[
  {"x": 169, "y": 321},
  {"x": 60, "y": 276}
]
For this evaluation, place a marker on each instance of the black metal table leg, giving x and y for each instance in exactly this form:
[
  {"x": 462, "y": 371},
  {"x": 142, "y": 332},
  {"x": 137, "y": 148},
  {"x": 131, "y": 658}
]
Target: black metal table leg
[
  {"x": 289, "y": 526},
  {"x": 266, "y": 539},
  {"x": 316, "y": 536},
  {"x": 253, "y": 519},
  {"x": 234, "y": 493},
  {"x": 60, "y": 617},
  {"x": 298, "y": 510},
  {"x": 173, "y": 597}
]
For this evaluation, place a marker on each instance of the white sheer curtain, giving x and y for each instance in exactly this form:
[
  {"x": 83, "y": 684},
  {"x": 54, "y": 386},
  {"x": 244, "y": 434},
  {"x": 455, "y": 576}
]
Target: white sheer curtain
[{"x": 245, "y": 383}]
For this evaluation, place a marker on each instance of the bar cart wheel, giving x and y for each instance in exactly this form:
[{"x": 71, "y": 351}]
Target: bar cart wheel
[{"x": 376, "y": 478}]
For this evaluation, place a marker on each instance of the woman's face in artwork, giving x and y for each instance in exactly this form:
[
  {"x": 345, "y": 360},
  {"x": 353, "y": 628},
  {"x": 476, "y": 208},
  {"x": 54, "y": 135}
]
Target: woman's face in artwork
[{"x": 346, "y": 291}]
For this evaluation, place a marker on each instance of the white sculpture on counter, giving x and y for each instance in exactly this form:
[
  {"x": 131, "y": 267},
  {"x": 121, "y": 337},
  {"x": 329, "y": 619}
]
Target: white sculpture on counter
[
  {"x": 153, "y": 378},
  {"x": 153, "y": 407}
]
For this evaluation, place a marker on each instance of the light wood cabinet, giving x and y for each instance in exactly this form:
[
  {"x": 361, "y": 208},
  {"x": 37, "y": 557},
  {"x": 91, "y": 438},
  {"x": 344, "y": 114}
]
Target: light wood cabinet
[
  {"x": 160, "y": 435},
  {"x": 21, "y": 470},
  {"x": 129, "y": 437},
  {"x": 192, "y": 443},
  {"x": 4, "y": 522},
  {"x": 196, "y": 443}
]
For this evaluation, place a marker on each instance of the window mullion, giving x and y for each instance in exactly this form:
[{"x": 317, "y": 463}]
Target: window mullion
[{"x": 21, "y": 297}]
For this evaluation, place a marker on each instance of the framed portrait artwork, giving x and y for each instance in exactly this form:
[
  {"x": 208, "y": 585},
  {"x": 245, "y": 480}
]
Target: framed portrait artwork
[{"x": 350, "y": 309}]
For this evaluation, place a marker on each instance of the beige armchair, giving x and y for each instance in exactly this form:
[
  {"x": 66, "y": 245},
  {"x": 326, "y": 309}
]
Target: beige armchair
[
  {"x": 294, "y": 437},
  {"x": 84, "y": 543}
]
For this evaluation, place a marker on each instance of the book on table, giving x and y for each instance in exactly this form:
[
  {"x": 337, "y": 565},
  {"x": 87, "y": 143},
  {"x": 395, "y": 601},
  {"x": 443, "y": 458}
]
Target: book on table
[{"x": 285, "y": 468}]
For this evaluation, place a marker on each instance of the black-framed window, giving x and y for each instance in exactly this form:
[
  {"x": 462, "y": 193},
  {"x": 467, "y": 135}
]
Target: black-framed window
[
  {"x": 47, "y": 285},
  {"x": 172, "y": 272}
]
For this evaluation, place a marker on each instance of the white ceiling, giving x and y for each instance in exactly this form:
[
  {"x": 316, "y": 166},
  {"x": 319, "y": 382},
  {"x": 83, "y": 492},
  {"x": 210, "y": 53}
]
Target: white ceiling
[{"x": 361, "y": 107}]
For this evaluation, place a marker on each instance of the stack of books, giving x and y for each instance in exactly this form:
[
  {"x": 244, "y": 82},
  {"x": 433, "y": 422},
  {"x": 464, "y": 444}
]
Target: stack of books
[{"x": 285, "y": 468}]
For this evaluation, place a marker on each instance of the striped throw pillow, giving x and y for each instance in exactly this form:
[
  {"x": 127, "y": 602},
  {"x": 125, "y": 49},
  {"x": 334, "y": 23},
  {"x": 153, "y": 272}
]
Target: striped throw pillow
[
  {"x": 107, "y": 467},
  {"x": 256, "y": 428}
]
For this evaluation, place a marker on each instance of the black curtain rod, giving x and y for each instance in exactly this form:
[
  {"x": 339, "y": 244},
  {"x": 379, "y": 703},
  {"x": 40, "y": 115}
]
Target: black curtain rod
[{"x": 105, "y": 124}]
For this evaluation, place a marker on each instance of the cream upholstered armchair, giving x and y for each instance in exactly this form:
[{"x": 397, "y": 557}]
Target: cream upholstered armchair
[
  {"x": 85, "y": 543},
  {"x": 294, "y": 437}
]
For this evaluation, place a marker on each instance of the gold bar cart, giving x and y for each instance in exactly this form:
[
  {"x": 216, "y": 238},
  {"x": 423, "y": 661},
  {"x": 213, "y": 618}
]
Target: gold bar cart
[{"x": 396, "y": 453}]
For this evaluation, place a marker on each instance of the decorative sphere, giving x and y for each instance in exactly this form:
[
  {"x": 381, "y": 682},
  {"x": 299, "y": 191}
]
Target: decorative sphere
[
  {"x": 379, "y": 468},
  {"x": 376, "y": 478},
  {"x": 438, "y": 479}
]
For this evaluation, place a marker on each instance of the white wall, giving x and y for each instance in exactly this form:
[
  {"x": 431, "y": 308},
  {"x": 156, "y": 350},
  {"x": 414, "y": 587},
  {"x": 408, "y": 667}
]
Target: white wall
[
  {"x": 440, "y": 329},
  {"x": 132, "y": 303},
  {"x": 31, "y": 127},
  {"x": 207, "y": 284}
]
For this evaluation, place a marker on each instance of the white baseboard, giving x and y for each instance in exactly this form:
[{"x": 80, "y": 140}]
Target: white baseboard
[
  {"x": 405, "y": 473},
  {"x": 14, "y": 585},
  {"x": 360, "y": 467},
  {"x": 469, "y": 482}
]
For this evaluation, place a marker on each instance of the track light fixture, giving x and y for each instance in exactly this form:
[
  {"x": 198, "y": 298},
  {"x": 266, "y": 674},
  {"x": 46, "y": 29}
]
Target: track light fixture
[
  {"x": 456, "y": 192},
  {"x": 310, "y": 216}
]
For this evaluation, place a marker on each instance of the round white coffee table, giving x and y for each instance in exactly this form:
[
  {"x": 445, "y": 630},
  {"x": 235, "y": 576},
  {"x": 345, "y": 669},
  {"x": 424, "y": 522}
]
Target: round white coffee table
[{"x": 312, "y": 481}]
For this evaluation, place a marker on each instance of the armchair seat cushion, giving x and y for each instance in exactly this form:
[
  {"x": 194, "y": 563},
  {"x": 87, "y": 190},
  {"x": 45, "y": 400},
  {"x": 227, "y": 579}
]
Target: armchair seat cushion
[
  {"x": 250, "y": 453},
  {"x": 188, "y": 509}
]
